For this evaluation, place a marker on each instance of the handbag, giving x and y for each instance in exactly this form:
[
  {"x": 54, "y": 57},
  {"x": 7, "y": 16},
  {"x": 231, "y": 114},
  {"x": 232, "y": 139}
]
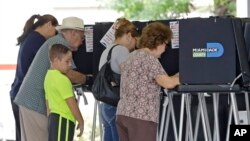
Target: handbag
[{"x": 106, "y": 86}]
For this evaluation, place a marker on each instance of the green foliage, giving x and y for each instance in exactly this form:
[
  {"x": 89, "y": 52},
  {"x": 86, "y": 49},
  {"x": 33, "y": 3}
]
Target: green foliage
[
  {"x": 167, "y": 9},
  {"x": 151, "y": 9},
  {"x": 224, "y": 7}
]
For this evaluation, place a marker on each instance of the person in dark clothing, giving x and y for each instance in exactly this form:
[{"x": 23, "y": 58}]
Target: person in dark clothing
[{"x": 36, "y": 31}]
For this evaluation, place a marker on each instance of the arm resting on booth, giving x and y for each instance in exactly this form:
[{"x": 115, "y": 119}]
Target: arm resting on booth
[{"x": 168, "y": 82}]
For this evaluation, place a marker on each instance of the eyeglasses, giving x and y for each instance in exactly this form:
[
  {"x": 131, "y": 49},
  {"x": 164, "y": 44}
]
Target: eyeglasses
[
  {"x": 159, "y": 38},
  {"x": 81, "y": 35}
]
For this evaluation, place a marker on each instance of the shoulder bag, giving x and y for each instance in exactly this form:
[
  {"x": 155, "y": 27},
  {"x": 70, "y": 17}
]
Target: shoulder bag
[{"x": 106, "y": 86}]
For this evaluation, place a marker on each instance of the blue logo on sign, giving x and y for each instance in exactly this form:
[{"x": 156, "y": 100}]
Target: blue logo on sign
[{"x": 214, "y": 50}]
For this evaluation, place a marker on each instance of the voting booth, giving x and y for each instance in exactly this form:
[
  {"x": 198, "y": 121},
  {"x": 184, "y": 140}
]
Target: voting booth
[
  {"x": 207, "y": 51},
  {"x": 214, "y": 67},
  {"x": 212, "y": 58}
]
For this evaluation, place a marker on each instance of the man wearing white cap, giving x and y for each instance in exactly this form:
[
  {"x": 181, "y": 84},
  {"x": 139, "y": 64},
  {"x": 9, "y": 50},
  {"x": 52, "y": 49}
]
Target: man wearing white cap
[{"x": 30, "y": 97}]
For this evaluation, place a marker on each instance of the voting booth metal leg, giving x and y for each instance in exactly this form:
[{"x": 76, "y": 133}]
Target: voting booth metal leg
[
  {"x": 202, "y": 113},
  {"x": 189, "y": 119},
  {"x": 185, "y": 100},
  {"x": 163, "y": 117},
  {"x": 204, "y": 117},
  {"x": 235, "y": 108},
  {"x": 247, "y": 107},
  {"x": 181, "y": 116},
  {"x": 186, "y": 133},
  {"x": 233, "y": 111},
  {"x": 216, "y": 133},
  {"x": 229, "y": 122},
  {"x": 207, "y": 118},
  {"x": 94, "y": 121},
  {"x": 167, "y": 113},
  {"x": 197, "y": 123},
  {"x": 96, "y": 108},
  {"x": 167, "y": 119},
  {"x": 185, "y": 103},
  {"x": 171, "y": 113},
  {"x": 201, "y": 117}
]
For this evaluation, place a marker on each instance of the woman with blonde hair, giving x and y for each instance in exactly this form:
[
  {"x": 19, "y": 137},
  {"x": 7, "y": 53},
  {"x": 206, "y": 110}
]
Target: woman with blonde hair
[{"x": 125, "y": 42}]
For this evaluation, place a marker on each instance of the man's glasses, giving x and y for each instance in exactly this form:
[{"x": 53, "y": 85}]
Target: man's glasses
[{"x": 81, "y": 35}]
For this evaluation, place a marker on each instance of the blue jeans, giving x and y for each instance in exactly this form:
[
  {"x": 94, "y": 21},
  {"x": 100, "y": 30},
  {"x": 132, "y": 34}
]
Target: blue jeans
[{"x": 108, "y": 117}]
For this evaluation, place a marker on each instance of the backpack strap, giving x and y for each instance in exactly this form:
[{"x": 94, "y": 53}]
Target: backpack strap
[{"x": 110, "y": 51}]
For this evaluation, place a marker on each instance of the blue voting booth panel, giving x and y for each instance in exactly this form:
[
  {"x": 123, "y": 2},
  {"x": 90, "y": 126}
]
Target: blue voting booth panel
[{"x": 207, "y": 51}]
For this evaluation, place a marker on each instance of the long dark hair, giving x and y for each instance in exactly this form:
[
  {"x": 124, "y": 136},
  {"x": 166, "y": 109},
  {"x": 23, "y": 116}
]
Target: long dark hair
[{"x": 31, "y": 25}]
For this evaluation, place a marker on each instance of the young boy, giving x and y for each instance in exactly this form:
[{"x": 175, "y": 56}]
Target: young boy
[{"x": 61, "y": 104}]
